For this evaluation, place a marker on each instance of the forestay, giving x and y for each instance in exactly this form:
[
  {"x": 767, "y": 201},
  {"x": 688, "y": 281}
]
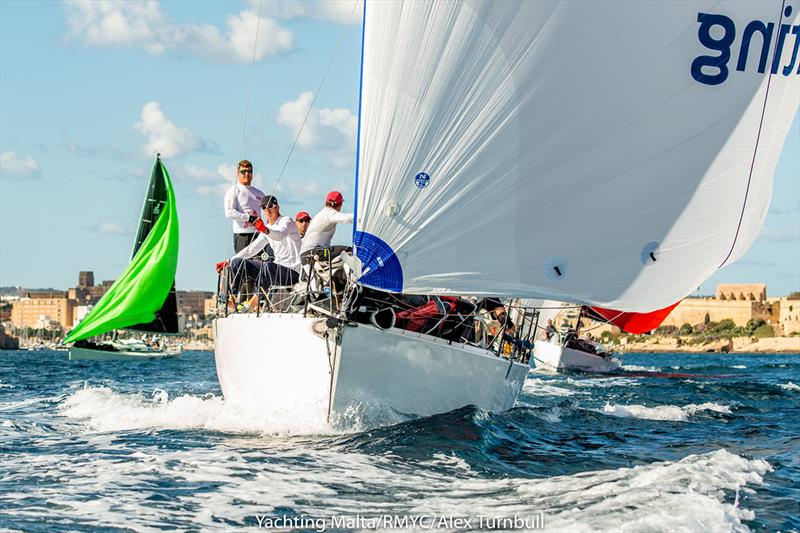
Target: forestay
[{"x": 614, "y": 154}]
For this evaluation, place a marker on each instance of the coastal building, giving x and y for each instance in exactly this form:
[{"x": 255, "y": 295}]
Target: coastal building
[
  {"x": 209, "y": 305},
  {"x": 87, "y": 293},
  {"x": 85, "y": 279},
  {"x": 789, "y": 319},
  {"x": 43, "y": 311},
  {"x": 192, "y": 303},
  {"x": 741, "y": 303},
  {"x": 79, "y": 313},
  {"x": 7, "y": 342}
]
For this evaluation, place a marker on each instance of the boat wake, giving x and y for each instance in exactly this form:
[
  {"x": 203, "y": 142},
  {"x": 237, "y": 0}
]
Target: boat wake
[
  {"x": 698, "y": 492},
  {"x": 103, "y": 409}
]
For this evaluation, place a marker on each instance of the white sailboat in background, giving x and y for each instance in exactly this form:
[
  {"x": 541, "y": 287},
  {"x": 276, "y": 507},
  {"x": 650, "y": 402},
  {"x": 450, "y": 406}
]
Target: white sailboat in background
[
  {"x": 561, "y": 348},
  {"x": 609, "y": 154}
]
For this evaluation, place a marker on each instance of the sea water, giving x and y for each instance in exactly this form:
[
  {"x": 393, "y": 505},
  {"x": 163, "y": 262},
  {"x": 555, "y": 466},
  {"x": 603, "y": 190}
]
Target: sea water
[{"x": 675, "y": 443}]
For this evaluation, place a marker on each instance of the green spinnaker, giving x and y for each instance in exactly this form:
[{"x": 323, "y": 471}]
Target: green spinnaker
[{"x": 142, "y": 288}]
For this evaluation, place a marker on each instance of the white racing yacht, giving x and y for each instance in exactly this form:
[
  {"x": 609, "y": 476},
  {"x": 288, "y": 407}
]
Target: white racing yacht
[{"x": 608, "y": 154}]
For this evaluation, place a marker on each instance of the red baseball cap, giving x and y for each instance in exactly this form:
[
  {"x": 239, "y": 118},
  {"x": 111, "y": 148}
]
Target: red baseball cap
[
  {"x": 301, "y": 215},
  {"x": 334, "y": 197}
]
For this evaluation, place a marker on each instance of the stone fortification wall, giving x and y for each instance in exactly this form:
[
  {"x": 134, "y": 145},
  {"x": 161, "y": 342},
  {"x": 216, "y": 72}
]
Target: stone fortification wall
[
  {"x": 694, "y": 310},
  {"x": 753, "y": 292},
  {"x": 789, "y": 315}
]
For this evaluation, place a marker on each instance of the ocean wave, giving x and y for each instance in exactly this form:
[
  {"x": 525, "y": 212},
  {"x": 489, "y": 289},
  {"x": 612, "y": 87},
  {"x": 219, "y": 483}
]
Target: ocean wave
[
  {"x": 694, "y": 493},
  {"x": 544, "y": 387},
  {"x": 790, "y": 386},
  {"x": 663, "y": 412},
  {"x": 637, "y": 368},
  {"x": 615, "y": 381},
  {"x": 103, "y": 409}
]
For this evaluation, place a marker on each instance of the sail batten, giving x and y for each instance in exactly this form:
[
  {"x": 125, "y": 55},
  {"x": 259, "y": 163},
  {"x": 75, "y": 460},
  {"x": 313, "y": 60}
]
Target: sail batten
[
  {"x": 594, "y": 152},
  {"x": 145, "y": 291}
]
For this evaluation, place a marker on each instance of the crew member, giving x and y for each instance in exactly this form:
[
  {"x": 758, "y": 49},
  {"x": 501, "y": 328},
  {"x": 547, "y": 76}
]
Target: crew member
[
  {"x": 242, "y": 202},
  {"x": 302, "y": 219},
  {"x": 322, "y": 227},
  {"x": 281, "y": 233}
]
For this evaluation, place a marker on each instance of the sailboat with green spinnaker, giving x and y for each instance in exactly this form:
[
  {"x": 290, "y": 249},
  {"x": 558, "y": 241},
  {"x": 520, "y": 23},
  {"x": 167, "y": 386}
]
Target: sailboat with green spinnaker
[{"x": 143, "y": 297}]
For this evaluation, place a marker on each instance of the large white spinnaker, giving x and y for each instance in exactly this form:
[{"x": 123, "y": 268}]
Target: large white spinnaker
[{"x": 610, "y": 153}]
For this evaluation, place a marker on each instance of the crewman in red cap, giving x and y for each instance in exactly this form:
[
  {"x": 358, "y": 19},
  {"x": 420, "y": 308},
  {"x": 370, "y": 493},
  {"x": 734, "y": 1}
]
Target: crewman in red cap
[
  {"x": 322, "y": 227},
  {"x": 302, "y": 219}
]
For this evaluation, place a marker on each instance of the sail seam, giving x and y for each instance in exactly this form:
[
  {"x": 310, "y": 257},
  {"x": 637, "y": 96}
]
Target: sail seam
[{"x": 755, "y": 149}]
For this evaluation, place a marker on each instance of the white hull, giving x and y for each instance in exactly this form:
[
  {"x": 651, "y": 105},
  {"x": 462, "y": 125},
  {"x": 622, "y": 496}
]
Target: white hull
[
  {"x": 88, "y": 354},
  {"x": 554, "y": 357},
  {"x": 277, "y": 361}
]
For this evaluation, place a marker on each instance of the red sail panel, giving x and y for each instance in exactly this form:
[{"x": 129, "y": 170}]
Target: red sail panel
[{"x": 631, "y": 322}]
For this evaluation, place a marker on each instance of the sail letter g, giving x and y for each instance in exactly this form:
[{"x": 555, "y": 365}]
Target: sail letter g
[{"x": 722, "y": 45}]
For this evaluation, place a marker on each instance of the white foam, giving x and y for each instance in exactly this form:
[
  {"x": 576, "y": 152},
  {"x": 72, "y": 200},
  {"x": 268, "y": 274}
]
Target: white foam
[
  {"x": 545, "y": 387},
  {"x": 738, "y": 366},
  {"x": 551, "y": 415},
  {"x": 637, "y": 368},
  {"x": 663, "y": 412},
  {"x": 693, "y": 494},
  {"x": 790, "y": 386},
  {"x": 615, "y": 381},
  {"x": 102, "y": 409}
]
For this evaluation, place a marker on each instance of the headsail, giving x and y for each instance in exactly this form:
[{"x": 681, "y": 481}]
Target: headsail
[
  {"x": 142, "y": 289},
  {"x": 610, "y": 153},
  {"x": 166, "y": 320}
]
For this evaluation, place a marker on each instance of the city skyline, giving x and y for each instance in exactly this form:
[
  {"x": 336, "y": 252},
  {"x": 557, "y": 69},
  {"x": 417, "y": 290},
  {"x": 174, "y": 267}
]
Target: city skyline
[{"x": 101, "y": 87}]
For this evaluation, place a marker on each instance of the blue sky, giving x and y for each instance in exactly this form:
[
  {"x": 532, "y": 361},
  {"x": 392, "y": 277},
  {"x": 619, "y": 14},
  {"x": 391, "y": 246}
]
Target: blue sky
[{"x": 89, "y": 90}]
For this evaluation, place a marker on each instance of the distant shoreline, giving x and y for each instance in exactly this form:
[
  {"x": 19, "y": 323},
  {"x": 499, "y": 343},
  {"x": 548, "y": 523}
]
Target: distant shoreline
[{"x": 735, "y": 345}]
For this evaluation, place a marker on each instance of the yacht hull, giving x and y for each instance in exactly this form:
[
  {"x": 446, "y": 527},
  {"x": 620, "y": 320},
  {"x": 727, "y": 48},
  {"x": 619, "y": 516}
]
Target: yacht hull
[
  {"x": 287, "y": 361},
  {"x": 88, "y": 354},
  {"x": 553, "y": 357}
]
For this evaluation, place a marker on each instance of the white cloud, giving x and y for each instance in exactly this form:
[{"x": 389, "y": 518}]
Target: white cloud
[
  {"x": 18, "y": 167},
  {"x": 195, "y": 173},
  {"x": 112, "y": 228},
  {"x": 165, "y": 136},
  {"x": 325, "y": 129},
  {"x": 142, "y": 24},
  {"x": 213, "y": 183},
  {"x": 340, "y": 11}
]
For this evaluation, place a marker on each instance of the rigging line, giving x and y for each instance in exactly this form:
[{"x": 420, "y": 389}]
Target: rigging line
[
  {"x": 755, "y": 148},
  {"x": 250, "y": 83},
  {"x": 314, "y": 98},
  {"x": 247, "y": 102}
]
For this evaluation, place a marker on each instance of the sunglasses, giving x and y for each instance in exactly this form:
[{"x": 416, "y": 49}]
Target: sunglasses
[
  {"x": 304, "y": 220},
  {"x": 245, "y": 171},
  {"x": 269, "y": 205}
]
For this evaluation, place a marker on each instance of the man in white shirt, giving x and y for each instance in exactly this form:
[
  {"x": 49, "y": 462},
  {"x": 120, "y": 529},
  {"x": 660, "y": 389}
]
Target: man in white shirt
[
  {"x": 323, "y": 225},
  {"x": 242, "y": 202},
  {"x": 281, "y": 233}
]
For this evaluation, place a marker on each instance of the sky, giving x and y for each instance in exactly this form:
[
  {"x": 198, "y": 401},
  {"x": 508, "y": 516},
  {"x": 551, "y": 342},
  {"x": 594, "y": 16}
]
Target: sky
[{"x": 89, "y": 91}]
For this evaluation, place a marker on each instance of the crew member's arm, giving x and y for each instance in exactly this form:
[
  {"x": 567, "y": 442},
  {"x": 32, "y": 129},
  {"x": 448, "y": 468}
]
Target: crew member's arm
[
  {"x": 232, "y": 211},
  {"x": 341, "y": 218},
  {"x": 280, "y": 229},
  {"x": 253, "y": 248}
]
